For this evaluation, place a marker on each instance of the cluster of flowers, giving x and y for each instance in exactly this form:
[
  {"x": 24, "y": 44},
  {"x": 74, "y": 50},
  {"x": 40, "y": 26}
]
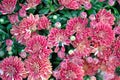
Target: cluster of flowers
[{"x": 94, "y": 39}]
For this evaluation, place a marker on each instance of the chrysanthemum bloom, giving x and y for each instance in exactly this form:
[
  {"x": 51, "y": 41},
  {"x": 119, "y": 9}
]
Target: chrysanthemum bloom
[
  {"x": 105, "y": 16},
  {"x": 13, "y": 69},
  {"x": 76, "y": 25},
  {"x": 91, "y": 67},
  {"x": 13, "y": 18},
  {"x": 82, "y": 42},
  {"x": 7, "y": 6},
  {"x": 33, "y": 3},
  {"x": 116, "y": 47},
  {"x": 38, "y": 69},
  {"x": 69, "y": 71},
  {"x": 38, "y": 45},
  {"x": 26, "y": 29},
  {"x": 103, "y": 34},
  {"x": 58, "y": 36},
  {"x": 71, "y": 4},
  {"x": 44, "y": 23},
  {"x": 106, "y": 65}
]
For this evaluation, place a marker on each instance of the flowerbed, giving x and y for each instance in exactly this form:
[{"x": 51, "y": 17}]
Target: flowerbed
[{"x": 60, "y": 40}]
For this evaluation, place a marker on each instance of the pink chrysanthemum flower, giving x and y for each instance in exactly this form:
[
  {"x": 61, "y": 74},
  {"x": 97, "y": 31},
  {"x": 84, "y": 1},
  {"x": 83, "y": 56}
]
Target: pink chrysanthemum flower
[
  {"x": 13, "y": 18},
  {"x": 38, "y": 45},
  {"x": 106, "y": 65},
  {"x": 91, "y": 66},
  {"x": 69, "y": 71},
  {"x": 13, "y": 69},
  {"x": 105, "y": 16},
  {"x": 103, "y": 34},
  {"x": 38, "y": 69},
  {"x": 76, "y": 25},
  {"x": 26, "y": 29},
  {"x": 71, "y": 4},
  {"x": 33, "y": 3},
  {"x": 116, "y": 47},
  {"x": 44, "y": 23},
  {"x": 82, "y": 42},
  {"x": 57, "y": 36},
  {"x": 7, "y": 6}
]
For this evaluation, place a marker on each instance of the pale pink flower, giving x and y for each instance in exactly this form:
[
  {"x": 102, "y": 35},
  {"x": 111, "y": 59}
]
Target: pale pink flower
[
  {"x": 103, "y": 34},
  {"x": 38, "y": 69},
  {"x": 38, "y": 45},
  {"x": 83, "y": 15},
  {"x": 107, "y": 75},
  {"x": 8, "y": 48},
  {"x": 93, "y": 78},
  {"x": 92, "y": 17},
  {"x": 105, "y": 16},
  {"x": 23, "y": 54},
  {"x": 117, "y": 30},
  {"x": 43, "y": 23},
  {"x": 7, "y": 6},
  {"x": 13, "y": 18},
  {"x": 13, "y": 69},
  {"x": 69, "y": 71},
  {"x": 111, "y": 2}
]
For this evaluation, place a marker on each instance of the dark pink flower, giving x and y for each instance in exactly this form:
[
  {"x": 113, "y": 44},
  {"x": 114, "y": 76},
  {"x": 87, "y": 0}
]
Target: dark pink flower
[
  {"x": 38, "y": 69},
  {"x": 71, "y": 4},
  {"x": 22, "y": 11},
  {"x": 103, "y": 34},
  {"x": 44, "y": 23},
  {"x": 69, "y": 71},
  {"x": 57, "y": 36},
  {"x": 38, "y": 45},
  {"x": 33, "y": 3},
  {"x": 13, "y": 18},
  {"x": 13, "y": 69},
  {"x": 76, "y": 25},
  {"x": 26, "y": 28},
  {"x": 82, "y": 42},
  {"x": 105, "y": 16},
  {"x": 9, "y": 42},
  {"x": 7, "y": 6},
  {"x": 91, "y": 68},
  {"x": 116, "y": 47}
]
